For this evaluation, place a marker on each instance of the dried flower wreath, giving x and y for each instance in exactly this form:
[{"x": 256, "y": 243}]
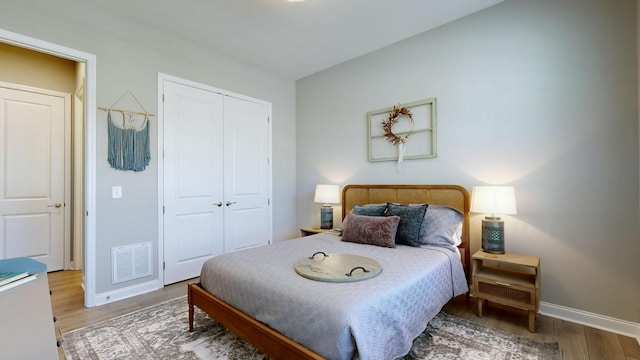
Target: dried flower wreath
[{"x": 387, "y": 125}]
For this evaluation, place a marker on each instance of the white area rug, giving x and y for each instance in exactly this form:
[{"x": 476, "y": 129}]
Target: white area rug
[{"x": 161, "y": 332}]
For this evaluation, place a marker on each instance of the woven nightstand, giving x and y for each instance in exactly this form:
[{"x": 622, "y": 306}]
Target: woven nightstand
[{"x": 509, "y": 279}]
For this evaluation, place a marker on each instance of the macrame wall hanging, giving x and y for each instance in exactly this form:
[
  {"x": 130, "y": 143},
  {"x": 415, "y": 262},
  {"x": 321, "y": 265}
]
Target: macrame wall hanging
[{"x": 128, "y": 137}]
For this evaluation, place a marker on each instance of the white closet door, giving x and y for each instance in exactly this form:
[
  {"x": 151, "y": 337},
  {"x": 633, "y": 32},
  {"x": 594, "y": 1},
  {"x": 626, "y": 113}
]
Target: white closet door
[
  {"x": 193, "y": 166},
  {"x": 247, "y": 175}
]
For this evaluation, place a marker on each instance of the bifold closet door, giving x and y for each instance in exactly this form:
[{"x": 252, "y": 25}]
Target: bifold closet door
[
  {"x": 216, "y": 177},
  {"x": 193, "y": 182}
]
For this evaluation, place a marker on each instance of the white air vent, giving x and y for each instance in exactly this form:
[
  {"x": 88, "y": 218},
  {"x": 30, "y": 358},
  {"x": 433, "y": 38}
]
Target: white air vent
[{"x": 131, "y": 262}]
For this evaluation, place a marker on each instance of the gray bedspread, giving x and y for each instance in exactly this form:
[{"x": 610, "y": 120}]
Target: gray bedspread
[{"x": 376, "y": 318}]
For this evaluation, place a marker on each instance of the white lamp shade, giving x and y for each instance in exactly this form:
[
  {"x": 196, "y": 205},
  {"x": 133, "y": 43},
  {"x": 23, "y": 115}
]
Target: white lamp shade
[
  {"x": 498, "y": 200},
  {"x": 327, "y": 194}
]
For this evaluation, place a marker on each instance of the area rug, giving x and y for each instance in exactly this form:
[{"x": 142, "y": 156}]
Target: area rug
[{"x": 161, "y": 332}]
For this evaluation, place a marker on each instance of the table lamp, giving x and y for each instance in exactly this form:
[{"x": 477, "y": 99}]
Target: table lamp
[
  {"x": 327, "y": 195},
  {"x": 493, "y": 200}
]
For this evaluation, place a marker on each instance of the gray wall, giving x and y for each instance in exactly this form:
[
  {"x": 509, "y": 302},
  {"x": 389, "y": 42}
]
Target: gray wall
[
  {"x": 128, "y": 58},
  {"x": 541, "y": 95}
]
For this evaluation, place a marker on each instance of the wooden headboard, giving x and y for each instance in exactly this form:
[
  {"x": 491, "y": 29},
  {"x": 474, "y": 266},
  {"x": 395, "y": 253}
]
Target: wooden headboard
[{"x": 454, "y": 196}]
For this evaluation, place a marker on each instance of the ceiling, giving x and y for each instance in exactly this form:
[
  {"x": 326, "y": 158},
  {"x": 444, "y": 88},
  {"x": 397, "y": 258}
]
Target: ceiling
[{"x": 295, "y": 39}]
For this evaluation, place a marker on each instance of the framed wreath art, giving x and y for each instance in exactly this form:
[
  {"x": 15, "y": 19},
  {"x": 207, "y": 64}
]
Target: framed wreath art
[{"x": 403, "y": 132}]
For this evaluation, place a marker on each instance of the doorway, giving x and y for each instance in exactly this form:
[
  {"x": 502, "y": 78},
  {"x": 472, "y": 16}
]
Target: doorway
[
  {"x": 41, "y": 210},
  {"x": 79, "y": 253}
]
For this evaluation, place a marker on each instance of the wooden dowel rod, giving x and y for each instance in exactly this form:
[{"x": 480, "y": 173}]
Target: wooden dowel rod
[{"x": 125, "y": 111}]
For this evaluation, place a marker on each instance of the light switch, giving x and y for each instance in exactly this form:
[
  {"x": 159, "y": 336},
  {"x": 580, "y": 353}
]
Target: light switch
[{"x": 116, "y": 192}]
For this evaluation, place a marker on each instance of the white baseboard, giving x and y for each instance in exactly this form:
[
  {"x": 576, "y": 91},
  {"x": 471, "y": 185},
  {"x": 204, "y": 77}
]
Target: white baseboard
[
  {"x": 127, "y": 292},
  {"x": 597, "y": 321}
]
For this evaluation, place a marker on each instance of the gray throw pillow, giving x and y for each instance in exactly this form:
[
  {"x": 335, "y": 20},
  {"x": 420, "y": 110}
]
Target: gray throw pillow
[
  {"x": 370, "y": 210},
  {"x": 443, "y": 226},
  {"x": 411, "y": 217}
]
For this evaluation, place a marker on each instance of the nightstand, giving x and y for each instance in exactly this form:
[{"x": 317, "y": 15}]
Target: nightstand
[
  {"x": 306, "y": 231},
  {"x": 509, "y": 279}
]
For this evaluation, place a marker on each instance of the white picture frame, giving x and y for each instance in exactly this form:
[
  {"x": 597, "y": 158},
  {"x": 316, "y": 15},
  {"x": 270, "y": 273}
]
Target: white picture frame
[{"x": 420, "y": 144}]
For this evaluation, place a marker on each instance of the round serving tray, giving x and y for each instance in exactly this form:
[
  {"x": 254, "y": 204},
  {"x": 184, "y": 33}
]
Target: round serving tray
[{"x": 337, "y": 267}]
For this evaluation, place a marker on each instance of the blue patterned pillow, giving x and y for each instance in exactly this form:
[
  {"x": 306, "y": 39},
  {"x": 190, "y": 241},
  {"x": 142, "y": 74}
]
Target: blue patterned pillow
[
  {"x": 411, "y": 217},
  {"x": 370, "y": 210}
]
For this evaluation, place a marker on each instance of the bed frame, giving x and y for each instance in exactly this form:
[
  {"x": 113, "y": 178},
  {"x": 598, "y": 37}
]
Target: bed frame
[{"x": 278, "y": 346}]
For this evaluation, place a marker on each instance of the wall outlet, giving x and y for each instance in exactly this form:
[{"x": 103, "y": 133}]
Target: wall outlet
[{"x": 116, "y": 192}]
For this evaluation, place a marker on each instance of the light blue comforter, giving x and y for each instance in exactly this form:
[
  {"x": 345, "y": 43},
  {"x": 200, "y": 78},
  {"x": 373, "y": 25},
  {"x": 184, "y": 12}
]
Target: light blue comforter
[{"x": 371, "y": 319}]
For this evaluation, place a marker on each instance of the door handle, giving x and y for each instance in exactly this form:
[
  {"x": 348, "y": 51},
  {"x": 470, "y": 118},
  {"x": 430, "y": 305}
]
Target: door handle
[
  {"x": 218, "y": 204},
  {"x": 58, "y": 205},
  {"x": 229, "y": 203}
]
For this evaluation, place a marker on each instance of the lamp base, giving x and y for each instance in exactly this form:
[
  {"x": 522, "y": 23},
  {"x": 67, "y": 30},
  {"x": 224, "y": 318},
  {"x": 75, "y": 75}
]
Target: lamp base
[
  {"x": 493, "y": 235},
  {"x": 326, "y": 217}
]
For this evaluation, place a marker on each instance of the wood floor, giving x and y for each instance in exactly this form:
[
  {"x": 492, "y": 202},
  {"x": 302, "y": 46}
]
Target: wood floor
[
  {"x": 577, "y": 342},
  {"x": 67, "y": 302}
]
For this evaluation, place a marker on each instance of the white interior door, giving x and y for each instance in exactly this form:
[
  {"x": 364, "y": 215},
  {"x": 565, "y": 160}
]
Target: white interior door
[
  {"x": 33, "y": 127},
  {"x": 193, "y": 166},
  {"x": 247, "y": 175}
]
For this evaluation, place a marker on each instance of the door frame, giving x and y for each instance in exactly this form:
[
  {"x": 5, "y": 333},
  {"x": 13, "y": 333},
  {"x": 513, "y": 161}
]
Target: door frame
[
  {"x": 161, "y": 79},
  {"x": 90, "y": 160}
]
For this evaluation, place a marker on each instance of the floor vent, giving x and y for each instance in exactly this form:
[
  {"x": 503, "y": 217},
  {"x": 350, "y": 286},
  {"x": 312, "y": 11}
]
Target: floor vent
[{"x": 131, "y": 262}]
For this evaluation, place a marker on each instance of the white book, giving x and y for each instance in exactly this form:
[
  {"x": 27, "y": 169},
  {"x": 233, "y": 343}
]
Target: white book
[
  {"x": 13, "y": 284},
  {"x": 8, "y": 277}
]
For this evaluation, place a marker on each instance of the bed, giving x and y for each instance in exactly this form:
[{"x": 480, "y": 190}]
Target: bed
[{"x": 287, "y": 316}]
